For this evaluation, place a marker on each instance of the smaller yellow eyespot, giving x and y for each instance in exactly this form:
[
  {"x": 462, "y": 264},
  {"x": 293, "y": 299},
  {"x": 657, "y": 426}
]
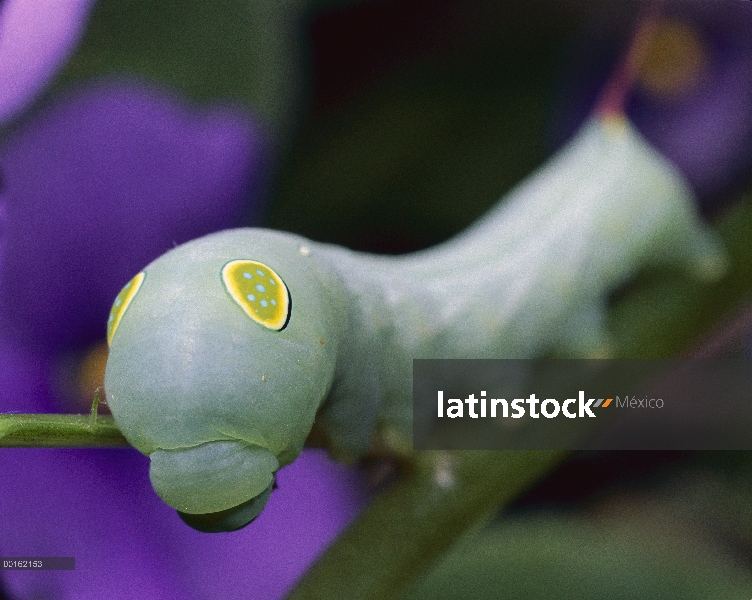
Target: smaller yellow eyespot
[
  {"x": 259, "y": 291},
  {"x": 121, "y": 304}
]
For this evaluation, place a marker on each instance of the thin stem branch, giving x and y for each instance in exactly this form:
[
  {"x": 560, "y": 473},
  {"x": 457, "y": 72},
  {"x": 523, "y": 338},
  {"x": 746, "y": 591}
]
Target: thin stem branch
[{"x": 59, "y": 431}]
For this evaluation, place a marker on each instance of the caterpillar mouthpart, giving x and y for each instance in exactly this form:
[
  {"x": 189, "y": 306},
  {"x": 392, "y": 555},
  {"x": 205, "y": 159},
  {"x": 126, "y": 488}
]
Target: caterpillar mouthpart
[
  {"x": 213, "y": 477},
  {"x": 232, "y": 519}
]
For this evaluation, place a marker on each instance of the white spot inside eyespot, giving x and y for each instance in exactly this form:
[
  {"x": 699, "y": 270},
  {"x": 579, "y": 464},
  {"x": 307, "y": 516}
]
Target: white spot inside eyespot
[
  {"x": 264, "y": 303},
  {"x": 260, "y": 272},
  {"x": 260, "y": 288},
  {"x": 247, "y": 275},
  {"x": 251, "y": 297}
]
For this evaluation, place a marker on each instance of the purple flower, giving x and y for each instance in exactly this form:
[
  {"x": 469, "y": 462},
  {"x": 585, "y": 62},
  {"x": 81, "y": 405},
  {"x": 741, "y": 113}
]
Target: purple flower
[
  {"x": 103, "y": 183},
  {"x": 93, "y": 189},
  {"x": 36, "y": 37}
]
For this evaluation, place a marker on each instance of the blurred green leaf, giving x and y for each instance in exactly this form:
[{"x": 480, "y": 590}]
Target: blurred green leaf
[
  {"x": 552, "y": 557},
  {"x": 245, "y": 50}
]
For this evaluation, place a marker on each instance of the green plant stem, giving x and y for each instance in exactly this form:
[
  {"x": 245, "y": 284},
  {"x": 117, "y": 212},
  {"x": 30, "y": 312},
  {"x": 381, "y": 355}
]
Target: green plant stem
[
  {"x": 58, "y": 431},
  {"x": 413, "y": 522}
]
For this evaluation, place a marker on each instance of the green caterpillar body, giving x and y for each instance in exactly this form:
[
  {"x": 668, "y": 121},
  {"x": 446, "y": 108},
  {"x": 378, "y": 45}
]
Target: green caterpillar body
[{"x": 225, "y": 350}]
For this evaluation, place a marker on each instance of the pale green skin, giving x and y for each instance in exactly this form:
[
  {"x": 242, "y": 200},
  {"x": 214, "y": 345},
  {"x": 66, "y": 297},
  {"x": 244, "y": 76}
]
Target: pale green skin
[{"x": 220, "y": 402}]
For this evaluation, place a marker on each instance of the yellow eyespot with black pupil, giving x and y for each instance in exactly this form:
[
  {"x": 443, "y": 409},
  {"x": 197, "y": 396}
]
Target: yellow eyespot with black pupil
[
  {"x": 259, "y": 291},
  {"x": 121, "y": 303}
]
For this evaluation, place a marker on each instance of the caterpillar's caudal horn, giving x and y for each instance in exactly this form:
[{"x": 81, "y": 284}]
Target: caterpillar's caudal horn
[{"x": 216, "y": 486}]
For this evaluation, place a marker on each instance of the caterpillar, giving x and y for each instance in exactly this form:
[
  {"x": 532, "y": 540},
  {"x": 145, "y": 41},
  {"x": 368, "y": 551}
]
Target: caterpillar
[{"x": 227, "y": 349}]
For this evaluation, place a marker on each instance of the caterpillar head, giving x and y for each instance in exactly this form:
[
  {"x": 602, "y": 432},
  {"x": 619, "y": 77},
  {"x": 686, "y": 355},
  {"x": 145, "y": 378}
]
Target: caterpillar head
[{"x": 221, "y": 352}]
